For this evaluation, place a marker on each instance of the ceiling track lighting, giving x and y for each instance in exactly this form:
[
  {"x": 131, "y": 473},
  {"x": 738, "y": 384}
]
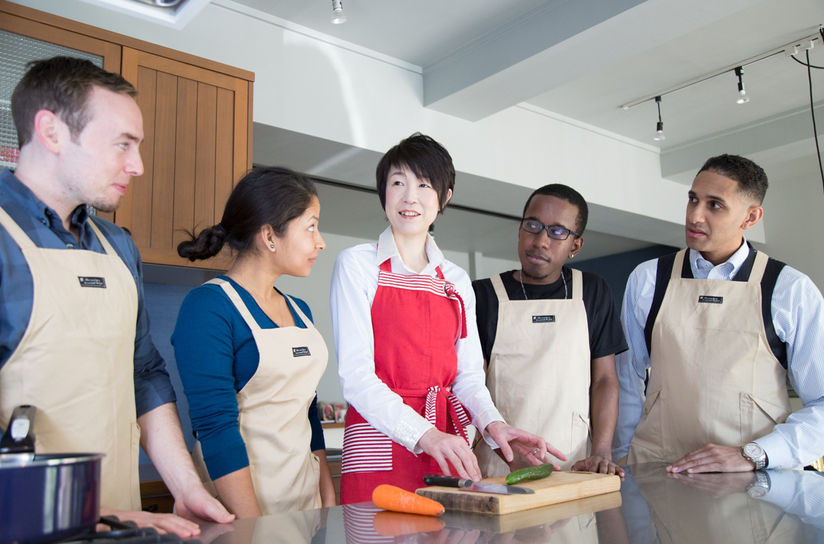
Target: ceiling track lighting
[
  {"x": 338, "y": 16},
  {"x": 742, "y": 93},
  {"x": 659, "y": 126},
  {"x": 807, "y": 42}
]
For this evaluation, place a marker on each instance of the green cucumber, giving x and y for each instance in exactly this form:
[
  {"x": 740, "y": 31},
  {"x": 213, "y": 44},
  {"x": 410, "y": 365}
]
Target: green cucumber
[{"x": 529, "y": 473}]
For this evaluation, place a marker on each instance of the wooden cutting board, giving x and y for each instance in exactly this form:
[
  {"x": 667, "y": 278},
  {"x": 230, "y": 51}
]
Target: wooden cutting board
[
  {"x": 507, "y": 523},
  {"x": 558, "y": 487}
]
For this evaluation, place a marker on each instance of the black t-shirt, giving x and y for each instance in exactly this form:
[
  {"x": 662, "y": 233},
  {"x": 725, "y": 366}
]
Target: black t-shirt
[{"x": 606, "y": 336}]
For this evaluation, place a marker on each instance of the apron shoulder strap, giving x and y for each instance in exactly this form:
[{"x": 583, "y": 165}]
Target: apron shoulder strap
[
  {"x": 294, "y": 304},
  {"x": 107, "y": 247},
  {"x": 498, "y": 286},
  {"x": 666, "y": 265},
  {"x": 772, "y": 269},
  {"x": 577, "y": 284},
  {"x": 233, "y": 295},
  {"x": 20, "y": 238}
]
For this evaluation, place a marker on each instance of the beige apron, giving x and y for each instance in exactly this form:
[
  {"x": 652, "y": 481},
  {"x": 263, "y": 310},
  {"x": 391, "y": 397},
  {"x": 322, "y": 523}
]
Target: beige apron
[
  {"x": 75, "y": 362},
  {"x": 273, "y": 408},
  {"x": 681, "y": 513},
  {"x": 539, "y": 372},
  {"x": 714, "y": 378}
]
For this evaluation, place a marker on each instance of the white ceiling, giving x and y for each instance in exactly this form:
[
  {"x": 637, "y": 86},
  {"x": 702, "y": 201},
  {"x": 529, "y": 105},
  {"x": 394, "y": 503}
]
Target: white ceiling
[
  {"x": 583, "y": 59},
  {"x": 580, "y": 59},
  {"x": 604, "y": 53}
]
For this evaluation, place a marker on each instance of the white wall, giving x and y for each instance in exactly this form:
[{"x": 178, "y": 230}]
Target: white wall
[
  {"x": 350, "y": 95},
  {"x": 794, "y": 223}
]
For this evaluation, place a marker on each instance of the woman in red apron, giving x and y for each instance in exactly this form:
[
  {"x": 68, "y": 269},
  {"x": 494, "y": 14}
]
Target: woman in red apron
[{"x": 409, "y": 359}]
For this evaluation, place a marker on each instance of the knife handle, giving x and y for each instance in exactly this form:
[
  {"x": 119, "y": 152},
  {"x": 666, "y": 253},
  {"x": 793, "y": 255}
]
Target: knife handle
[{"x": 448, "y": 481}]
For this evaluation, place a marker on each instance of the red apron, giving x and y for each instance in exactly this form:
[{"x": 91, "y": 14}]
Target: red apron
[{"x": 416, "y": 321}]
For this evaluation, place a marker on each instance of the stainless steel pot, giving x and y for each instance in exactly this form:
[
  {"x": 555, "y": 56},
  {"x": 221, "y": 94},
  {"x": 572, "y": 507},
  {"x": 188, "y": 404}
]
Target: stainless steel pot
[{"x": 44, "y": 498}]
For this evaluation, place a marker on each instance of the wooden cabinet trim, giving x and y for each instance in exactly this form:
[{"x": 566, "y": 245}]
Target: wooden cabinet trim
[{"x": 59, "y": 36}]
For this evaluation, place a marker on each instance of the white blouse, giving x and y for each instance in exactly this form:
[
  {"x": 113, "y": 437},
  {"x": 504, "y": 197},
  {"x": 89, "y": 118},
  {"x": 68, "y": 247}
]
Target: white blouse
[{"x": 354, "y": 283}]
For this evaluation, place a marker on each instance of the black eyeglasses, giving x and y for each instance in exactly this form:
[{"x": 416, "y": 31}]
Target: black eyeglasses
[{"x": 556, "y": 232}]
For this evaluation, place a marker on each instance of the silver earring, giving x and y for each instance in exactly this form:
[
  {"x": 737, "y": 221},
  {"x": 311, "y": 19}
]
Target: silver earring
[
  {"x": 271, "y": 246},
  {"x": 571, "y": 255}
]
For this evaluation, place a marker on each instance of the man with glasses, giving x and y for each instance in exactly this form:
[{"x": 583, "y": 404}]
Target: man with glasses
[
  {"x": 720, "y": 327},
  {"x": 549, "y": 336}
]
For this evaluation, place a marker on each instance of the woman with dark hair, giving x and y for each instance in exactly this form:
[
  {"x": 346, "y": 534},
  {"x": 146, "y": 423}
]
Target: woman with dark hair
[
  {"x": 250, "y": 358},
  {"x": 409, "y": 358}
]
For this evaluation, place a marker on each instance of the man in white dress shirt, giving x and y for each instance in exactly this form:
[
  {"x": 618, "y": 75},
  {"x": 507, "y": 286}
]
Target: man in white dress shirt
[{"x": 720, "y": 327}]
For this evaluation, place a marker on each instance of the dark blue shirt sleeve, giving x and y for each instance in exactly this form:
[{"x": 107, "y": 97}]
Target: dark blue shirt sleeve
[
  {"x": 205, "y": 354},
  {"x": 318, "y": 441},
  {"x": 152, "y": 385}
]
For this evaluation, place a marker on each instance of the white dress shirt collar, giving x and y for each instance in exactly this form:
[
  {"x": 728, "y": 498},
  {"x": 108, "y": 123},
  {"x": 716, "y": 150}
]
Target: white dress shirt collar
[
  {"x": 387, "y": 249},
  {"x": 704, "y": 269}
]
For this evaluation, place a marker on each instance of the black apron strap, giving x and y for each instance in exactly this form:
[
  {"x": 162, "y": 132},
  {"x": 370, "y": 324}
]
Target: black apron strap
[{"x": 662, "y": 277}]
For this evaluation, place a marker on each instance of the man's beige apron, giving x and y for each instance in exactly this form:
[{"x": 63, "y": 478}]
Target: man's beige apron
[
  {"x": 681, "y": 513},
  {"x": 713, "y": 378},
  {"x": 274, "y": 407},
  {"x": 75, "y": 362},
  {"x": 539, "y": 372}
]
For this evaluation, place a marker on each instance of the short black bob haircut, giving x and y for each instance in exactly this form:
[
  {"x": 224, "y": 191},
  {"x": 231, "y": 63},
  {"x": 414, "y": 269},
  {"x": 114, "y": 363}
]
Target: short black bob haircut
[{"x": 426, "y": 158}]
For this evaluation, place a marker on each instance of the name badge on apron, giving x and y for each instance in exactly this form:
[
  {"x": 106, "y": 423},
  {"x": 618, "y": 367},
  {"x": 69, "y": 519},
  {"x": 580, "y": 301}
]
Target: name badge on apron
[
  {"x": 92, "y": 281},
  {"x": 543, "y": 319},
  {"x": 708, "y": 299},
  {"x": 302, "y": 351}
]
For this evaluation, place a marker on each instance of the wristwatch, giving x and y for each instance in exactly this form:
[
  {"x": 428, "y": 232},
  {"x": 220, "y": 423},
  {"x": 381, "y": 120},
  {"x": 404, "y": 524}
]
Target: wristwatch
[
  {"x": 755, "y": 454},
  {"x": 760, "y": 486}
]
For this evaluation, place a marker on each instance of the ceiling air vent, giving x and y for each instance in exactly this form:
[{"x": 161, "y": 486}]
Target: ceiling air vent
[
  {"x": 162, "y": 3},
  {"x": 174, "y": 13}
]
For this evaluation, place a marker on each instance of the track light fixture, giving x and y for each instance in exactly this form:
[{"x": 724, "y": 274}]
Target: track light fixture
[
  {"x": 659, "y": 126},
  {"x": 806, "y": 42},
  {"x": 338, "y": 16},
  {"x": 742, "y": 94}
]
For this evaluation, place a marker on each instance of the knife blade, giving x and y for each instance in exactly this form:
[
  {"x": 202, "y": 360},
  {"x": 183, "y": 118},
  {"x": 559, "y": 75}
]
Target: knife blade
[{"x": 469, "y": 485}]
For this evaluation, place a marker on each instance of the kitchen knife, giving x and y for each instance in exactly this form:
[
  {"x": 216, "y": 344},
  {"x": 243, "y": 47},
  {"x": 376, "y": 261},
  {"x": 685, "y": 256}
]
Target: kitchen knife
[{"x": 469, "y": 485}]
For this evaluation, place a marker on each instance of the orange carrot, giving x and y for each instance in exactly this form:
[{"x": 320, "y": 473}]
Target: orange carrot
[
  {"x": 389, "y": 497},
  {"x": 397, "y": 524}
]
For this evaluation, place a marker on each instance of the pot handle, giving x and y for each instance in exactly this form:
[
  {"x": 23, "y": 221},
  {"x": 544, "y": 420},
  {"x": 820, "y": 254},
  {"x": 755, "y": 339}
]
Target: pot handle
[{"x": 19, "y": 436}]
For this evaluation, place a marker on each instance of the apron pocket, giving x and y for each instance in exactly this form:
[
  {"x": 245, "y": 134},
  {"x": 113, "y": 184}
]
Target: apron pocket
[
  {"x": 365, "y": 449},
  {"x": 579, "y": 438},
  {"x": 759, "y": 416},
  {"x": 650, "y": 431}
]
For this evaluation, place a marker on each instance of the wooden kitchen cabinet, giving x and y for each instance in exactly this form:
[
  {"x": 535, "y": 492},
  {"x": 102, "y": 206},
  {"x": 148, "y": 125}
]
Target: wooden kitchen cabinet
[
  {"x": 197, "y": 117},
  {"x": 197, "y": 145}
]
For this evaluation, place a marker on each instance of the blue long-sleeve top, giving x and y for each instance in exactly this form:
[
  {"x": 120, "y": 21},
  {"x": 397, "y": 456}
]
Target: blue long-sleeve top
[{"x": 216, "y": 356}]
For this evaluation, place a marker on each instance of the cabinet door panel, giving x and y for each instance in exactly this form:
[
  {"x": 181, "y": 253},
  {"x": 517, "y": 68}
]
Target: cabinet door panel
[
  {"x": 226, "y": 154},
  {"x": 135, "y": 208},
  {"x": 185, "y": 159},
  {"x": 197, "y": 135},
  {"x": 205, "y": 212},
  {"x": 163, "y": 171}
]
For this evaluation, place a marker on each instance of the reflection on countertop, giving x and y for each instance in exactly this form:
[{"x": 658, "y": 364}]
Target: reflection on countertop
[{"x": 652, "y": 507}]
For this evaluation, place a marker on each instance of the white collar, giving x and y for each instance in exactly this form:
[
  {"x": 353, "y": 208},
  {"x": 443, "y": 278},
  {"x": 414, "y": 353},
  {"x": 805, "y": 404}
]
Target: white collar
[
  {"x": 730, "y": 266},
  {"x": 387, "y": 249}
]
